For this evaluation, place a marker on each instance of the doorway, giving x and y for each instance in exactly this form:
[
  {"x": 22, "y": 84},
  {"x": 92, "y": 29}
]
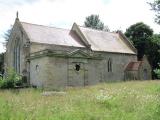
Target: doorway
[{"x": 76, "y": 74}]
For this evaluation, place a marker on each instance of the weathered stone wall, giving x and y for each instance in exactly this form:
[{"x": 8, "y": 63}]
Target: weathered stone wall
[
  {"x": 55, "y": 72},
  {"x": 73, "y": 69},
  {"x": 131, "y": 75},
  {"x": 119, "y": 63},
  {"x": 39, "y": 71},
  {"x": 18, "y": 36},
  {"x": 36, "y": 47},
  {"x": 145, "y": 71}
]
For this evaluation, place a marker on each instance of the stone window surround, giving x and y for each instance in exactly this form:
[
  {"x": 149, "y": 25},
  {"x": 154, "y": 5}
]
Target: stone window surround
[{"x": 16, "y": 56}]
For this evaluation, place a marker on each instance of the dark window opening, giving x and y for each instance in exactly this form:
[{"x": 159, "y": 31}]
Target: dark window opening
[
  {"x": 37, "y": 66},
  {"x": 109, "y": 65},
  {"x": 77, "y": 67}
]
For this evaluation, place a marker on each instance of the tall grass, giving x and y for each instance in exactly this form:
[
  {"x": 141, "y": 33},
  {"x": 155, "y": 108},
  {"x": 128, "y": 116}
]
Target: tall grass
[{"x": 111, "y": 101}]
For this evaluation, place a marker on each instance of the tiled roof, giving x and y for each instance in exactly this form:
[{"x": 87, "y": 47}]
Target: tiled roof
[
  {"x": 105, "y": 41},
  {"x": 98, "y": 40},
  {"x": 133, "y": 66},
  {"x": 51, "y": 35}
]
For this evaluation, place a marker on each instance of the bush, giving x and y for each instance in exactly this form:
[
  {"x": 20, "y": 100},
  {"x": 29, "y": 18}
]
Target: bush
[
  {"x": 12, "y": 80},
  {"x": 157, "y": 72}
]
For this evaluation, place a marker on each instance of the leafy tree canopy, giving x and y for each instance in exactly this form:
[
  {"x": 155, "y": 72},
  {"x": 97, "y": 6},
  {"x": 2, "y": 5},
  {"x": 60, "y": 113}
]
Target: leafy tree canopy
[
  {"x": 156, "y": 39},
  {"x": 153, "y": 50},
  {"x": 154, "y": 54},
  {"x": 94, "y": 22},
  {"x": 156, "y": 7},
  {"x": 7, "y": 34},
  {"x": 139, "y": 34},
  {"x": 147, "y": 43}
]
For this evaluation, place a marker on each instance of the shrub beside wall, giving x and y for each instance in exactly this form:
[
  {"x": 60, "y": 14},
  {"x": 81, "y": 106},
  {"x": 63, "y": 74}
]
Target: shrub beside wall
[
  {"x": 12, "y": 80},
  {"x": 157, "y": 72}
]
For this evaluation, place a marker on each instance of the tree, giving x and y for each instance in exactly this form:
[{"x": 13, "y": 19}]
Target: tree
[
  {"x": 157, "y": 72},
  {"x": 154, "y": 54},
  {"x": 106, "y": 28},
  {"x": 1, "y": 63},
  {"x": 6, "y": 36},
  {"x": 94, "y": 22},
  {"x": 140, "y": 34},
  {"x": 156, "y": 7}
]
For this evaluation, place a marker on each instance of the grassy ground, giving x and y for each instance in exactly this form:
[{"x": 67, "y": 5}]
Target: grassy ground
[{"x": 111, "y": 101}]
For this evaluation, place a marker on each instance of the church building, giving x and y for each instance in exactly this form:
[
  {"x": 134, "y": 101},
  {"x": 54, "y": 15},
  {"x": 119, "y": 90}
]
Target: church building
[{"x": 50, "y": 57}]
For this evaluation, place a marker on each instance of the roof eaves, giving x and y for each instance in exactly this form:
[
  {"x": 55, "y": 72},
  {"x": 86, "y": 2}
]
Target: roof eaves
[
  {"x": 114, "y": 52},
  {"x": 38, "y": 43}
]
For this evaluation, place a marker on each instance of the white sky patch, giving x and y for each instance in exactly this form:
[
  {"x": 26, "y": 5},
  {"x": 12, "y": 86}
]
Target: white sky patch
[{"x": 117, "y": 14}]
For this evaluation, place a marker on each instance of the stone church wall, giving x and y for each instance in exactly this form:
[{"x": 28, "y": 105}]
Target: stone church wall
[
  {"x": 119, "y": 62},
  {"x": 38, "y": 71},
  {"x": 71, "y": 66},
  {"x": 58, "y": 72},
  {"x": 18, "y": 39},
  {"x": 131, "y": 75},
  {"x": 145, "y": 71}
]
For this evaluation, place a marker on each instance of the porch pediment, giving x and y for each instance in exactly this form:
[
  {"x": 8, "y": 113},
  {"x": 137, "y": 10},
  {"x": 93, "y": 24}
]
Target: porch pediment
[
  {"x": 78, "y": 54},
  {"x": 72, "y": 54}
]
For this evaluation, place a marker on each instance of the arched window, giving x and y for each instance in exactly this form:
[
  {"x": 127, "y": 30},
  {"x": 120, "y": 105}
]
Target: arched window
[
  {"x": 16, "y": 56},
  {"x": 109, "y": 65},
  {"x": 18, "y": 59}
]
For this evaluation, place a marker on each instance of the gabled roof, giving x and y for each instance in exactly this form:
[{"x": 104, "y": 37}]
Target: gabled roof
[
  {"x": 67, "y": 54},
  {"x": 106, "y": 41},
  {"x": 133, "y": 66},
  {"x": 51, "y": 35},
  {"x": 78, "y": 53},
  {"x": 79, "y": 37}
]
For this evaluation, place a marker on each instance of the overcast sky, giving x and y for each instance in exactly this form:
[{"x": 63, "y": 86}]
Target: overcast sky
[{"x": 116, "y": 14}]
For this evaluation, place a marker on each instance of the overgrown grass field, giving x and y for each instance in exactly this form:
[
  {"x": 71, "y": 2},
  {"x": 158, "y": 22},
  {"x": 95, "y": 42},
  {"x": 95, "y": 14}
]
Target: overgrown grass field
[{"x": 134, "y": 100}]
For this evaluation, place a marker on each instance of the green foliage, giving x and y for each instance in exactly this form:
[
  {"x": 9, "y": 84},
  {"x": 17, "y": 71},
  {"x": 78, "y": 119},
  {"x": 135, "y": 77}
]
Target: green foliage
[
  {"x": 146, "y": 43},
  {"x": 156, "y": 7},
  {"x": 156, "y": 39},
  {"x": 1, "y": 62},
  {"x": 140, "y": 34},
  {"x": 134, "y": 100},
  {"x": 12, "y": 80},
  {"x": 153, "y": 52},
  {"x": 157, "y": 72},
  {"x": 7, "y": 34},
  {"x": 94, "y": 22}
]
